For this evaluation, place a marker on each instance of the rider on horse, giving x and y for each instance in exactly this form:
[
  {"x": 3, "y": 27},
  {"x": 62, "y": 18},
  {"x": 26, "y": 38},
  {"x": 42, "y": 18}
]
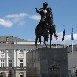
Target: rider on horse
[
  {"x": 46, "y": 18},
  {"x": 45, "y": 26},
  {"x": 42, "y": 23},
  {"x": 42, "y": 12}
]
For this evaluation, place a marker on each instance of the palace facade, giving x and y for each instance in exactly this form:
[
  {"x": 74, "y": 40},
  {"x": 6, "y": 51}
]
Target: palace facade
[{"x": 13, "y": 56}]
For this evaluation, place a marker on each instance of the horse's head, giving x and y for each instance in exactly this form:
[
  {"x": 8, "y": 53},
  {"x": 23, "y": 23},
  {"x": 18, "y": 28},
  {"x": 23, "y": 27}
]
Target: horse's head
[{"x": 49, "y": 10}]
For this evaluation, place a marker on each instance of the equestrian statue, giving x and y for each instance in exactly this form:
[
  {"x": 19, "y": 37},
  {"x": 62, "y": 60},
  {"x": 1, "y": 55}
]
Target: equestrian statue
[{"x": 45, "y": 27}]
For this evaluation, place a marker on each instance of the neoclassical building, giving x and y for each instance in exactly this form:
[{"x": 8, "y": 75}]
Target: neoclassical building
[{"x": 13, "y": 56}]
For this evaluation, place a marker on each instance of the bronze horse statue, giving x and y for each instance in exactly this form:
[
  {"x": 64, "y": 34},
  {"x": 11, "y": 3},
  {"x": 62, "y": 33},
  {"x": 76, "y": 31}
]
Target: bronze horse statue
[
  {"x": 39, "y": 32},
  {"x": 47, "y": 30},
  {"x": 45, "y": 33}
]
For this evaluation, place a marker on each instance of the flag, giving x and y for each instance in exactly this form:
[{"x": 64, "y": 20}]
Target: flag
[
  {"x": 72, "y": 38},
  {"x": 63, "y": 35}
]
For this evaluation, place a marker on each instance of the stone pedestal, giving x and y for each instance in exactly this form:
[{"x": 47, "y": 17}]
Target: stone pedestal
[{"x": 49, "y": 62}]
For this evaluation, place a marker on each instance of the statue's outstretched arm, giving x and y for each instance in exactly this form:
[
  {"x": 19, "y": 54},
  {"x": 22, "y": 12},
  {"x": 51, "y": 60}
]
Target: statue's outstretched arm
[{"x": 38, "y": 11}]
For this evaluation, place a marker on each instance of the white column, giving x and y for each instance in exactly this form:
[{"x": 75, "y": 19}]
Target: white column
[
  {"x": 7, "y": 59},
  {"x": 72, "y": 46},
  {"x": 14, "y": 58},
  {"x": 24, "y": 58},
  {"x": 25, "y": 73},
  {"x": 18, "y": 61}
]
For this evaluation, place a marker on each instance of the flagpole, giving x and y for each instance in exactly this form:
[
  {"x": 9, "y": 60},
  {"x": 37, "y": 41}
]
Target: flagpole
[
  {"x": 64, "y": 43},
  {"x": 72, "y": 46}
]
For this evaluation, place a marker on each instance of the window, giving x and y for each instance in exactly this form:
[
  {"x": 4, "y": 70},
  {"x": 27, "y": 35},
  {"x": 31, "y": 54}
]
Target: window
[
  {"x": 2, "y": 51},
  {"x": 21, "y": 63},
  {"x": 21, "y": 76},
  {"x": 10, "y": 73},
  {"x": 10, "y": 63},
  {"x": 2, "y": 63},
  {"x": 17, "y": 49},
  {"x": 7, "y": 38},
  {"x": 21, "y": 60},
  {"x": 21, "y": 52},
  {"x": 10, "y": 60}
]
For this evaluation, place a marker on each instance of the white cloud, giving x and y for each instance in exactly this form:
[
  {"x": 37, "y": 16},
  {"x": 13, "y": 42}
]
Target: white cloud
[
  {"x": 11, "y": 19},
  {"x": 35, "y": 17},
  {"x": 75, "y": 36},
  {"x": 20, "y": 15},
  {"x": 17, "y": 19},
  {"x": 67, "y": 38},
  {"x": 6, "y": 23}
]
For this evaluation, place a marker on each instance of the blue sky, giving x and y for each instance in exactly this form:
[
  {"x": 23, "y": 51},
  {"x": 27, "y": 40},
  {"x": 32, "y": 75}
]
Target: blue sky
[{"x": 19, "y": 18}]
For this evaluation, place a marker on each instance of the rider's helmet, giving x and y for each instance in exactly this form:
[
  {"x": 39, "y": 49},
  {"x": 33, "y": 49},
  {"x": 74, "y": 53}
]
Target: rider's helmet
[{"x": 45, "y": 4}]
